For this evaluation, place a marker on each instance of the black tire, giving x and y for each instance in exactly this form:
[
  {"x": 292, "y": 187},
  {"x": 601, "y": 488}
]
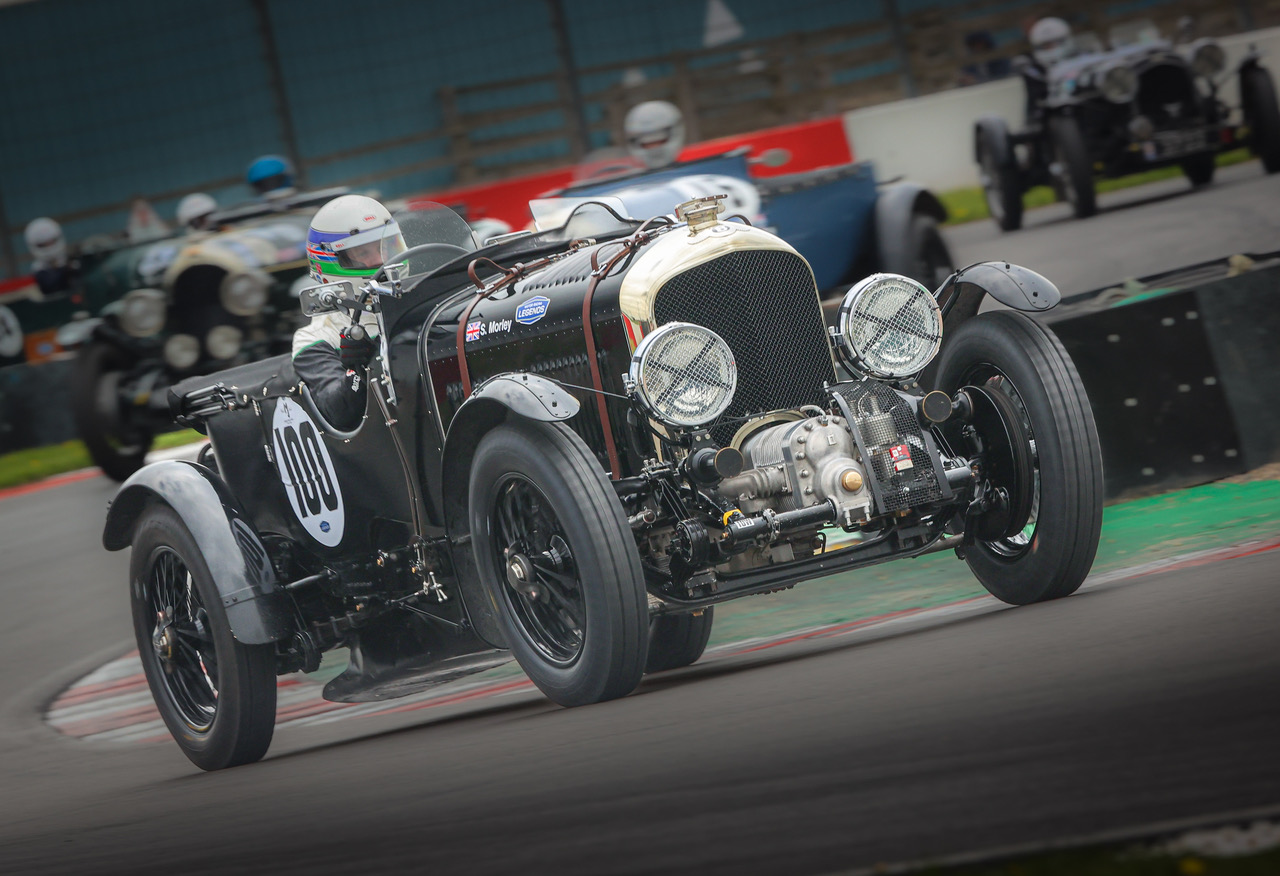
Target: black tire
[
  {"x": 116, "y": 449},
  {"x": 1199, "y": 169},
  {"x": 931, "y": 258},
  {"x": 216, "y": 695},
  {"x": 540, "y": 502},
  {"x": 1077, "y": 168},
  {"x": 1261, "y": 111},
  {"x": 677, "y": 640},
  {"x": 1009, "y": 352},
  {"x": 1002, "y": 185}
]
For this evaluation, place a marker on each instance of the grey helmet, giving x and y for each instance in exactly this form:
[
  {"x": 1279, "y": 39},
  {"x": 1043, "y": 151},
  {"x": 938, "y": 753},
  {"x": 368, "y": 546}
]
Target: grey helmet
[
  {"x": 1051, "y": 41},
  {"x": 654, "y": 132}
]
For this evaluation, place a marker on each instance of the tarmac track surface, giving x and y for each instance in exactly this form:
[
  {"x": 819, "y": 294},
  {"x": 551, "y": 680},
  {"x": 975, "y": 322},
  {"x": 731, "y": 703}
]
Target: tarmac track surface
[{"x": 1133, "y": 702}]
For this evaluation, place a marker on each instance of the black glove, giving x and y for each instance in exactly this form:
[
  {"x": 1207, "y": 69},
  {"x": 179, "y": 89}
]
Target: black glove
[{"x": 357, "y": 347}]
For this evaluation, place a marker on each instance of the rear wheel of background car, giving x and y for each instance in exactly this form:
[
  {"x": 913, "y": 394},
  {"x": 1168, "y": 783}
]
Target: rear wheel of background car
[
  {"x": 677, "y": 640},
  {"x": 1002, "y": 186},
  {"x": 118, "y": 449},
  {"x": 1258, "y": 96},
  {"x": 932, "y": 258},
  {"x": 216, "y": 695},
  {"x": 1007, "y": 352},
  {"x": 553, "y": 546},
  {"x": 1077, "y": 169},
  {"x": 1199, "y": 169}
]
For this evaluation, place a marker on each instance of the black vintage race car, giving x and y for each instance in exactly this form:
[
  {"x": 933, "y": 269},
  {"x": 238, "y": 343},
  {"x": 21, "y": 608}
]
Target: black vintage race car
[
  {"x": 1145, "y": 105},
  {"x": 577, "y": 442},
  {"x": 186, "y": 305}
]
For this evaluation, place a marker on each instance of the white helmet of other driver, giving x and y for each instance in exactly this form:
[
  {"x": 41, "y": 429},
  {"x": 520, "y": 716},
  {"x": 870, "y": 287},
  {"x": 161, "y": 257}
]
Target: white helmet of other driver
[
  {"x": 45, "y": 242},
  {"x": 351, "y": 237},
  {"x": 195, "y": 209},
  {"x": 1051, "y": 41},
  {"x": 654, "y": 132}
]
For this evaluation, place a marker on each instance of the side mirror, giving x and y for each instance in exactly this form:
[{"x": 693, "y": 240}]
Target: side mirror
[
  {"x": 325, "y": 298},
  {"x": 775, "y": 157},
  {"x": 395, "y": 272}
]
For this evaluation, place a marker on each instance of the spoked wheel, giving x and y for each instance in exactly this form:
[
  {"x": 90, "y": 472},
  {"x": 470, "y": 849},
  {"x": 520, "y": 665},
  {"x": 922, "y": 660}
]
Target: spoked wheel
[
  {"x": 1077, "y": 168},
  {"x": 933, "y": 263},
  {"x": 554, "y": 548},
  {"x": 677, "y": 640},
  {"x": 216, "y": 696},
  {"x": 117, "y": 447},
  {"x": 1039, "y": 459},
  {"x": 1262, "y": 112},
  {"x": 1002, "y": 187},
  {"x": 1199, "y": 169}
]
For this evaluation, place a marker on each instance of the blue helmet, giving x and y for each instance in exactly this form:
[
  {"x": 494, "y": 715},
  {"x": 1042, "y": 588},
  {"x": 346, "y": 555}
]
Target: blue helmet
[{"x": 270, "y": 173}]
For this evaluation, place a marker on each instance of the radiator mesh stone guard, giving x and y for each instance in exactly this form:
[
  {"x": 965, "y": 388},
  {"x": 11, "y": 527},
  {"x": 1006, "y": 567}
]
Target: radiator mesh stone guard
[
  {"x": 763, "y": 303},
  {"x": 881, "y": 416}
]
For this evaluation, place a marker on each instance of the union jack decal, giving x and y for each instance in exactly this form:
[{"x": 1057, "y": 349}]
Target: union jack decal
[{"x": 473, "y": 330}]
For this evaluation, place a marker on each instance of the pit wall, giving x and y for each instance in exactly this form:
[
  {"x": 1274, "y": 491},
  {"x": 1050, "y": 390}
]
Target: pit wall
[{"x": 930, "y": 140}]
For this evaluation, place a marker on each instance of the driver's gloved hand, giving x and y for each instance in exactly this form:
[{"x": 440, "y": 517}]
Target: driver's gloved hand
[{"x": 357, "y": 347}]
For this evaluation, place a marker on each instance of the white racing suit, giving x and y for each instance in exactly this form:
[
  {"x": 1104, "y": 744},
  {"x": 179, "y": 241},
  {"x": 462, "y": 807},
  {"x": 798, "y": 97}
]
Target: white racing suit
[{"x": 339, "y": 393}]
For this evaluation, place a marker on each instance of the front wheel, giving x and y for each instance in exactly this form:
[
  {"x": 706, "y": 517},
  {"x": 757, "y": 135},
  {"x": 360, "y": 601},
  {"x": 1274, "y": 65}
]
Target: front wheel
[
  {"x": 677, "y": 640},
  {"x": 1001, "y": 185},
  {"x": 116, "y": 446},
  {"x": 1076, "y": 171},
  {"x": 216, "y": 695},
  {"x": 553, "y": 547},
  {"x": 1051, "y": 469},
  {"x": 1261, "y": 111}
]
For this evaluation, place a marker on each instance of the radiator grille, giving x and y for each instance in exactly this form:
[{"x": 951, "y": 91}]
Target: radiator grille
[
  {"x": 763, "y": 303},
  {"x": 1167, "y": 96},
  {"x": 882, "y": 416}
]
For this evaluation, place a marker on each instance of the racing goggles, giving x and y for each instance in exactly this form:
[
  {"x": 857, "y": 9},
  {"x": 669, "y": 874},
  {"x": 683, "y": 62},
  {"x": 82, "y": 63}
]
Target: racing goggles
[{"x": 369, "y": 249}]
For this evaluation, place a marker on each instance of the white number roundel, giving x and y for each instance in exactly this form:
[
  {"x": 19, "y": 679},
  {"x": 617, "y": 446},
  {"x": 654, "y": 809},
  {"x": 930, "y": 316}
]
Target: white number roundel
[
  {"x": 307, "y": 473},
  {"x": 10, "y": 333}
]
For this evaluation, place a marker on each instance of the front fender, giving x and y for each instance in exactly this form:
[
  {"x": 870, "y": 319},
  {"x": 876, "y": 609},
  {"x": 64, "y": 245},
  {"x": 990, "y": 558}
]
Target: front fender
[
  {"x": 493, "y": 402},
  {"x": 896, "y": 206},
  {"x": 1012, "y": 285},
  {"x": 993, "y": 132},
  {"x": 258, "y": 610}
]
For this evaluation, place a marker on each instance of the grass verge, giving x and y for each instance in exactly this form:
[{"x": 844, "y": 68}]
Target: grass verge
[
  {"x": 36, "y": 463},
  {"x": 970, "y": 204}
]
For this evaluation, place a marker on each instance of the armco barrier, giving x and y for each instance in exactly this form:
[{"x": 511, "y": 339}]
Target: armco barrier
[
  {"x": 930, "y": 139},
  {"x": 1184, "y": 380}
]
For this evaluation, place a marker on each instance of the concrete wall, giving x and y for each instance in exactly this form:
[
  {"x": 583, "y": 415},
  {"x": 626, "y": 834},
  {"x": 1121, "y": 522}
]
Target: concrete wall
[{"x": 930, "y": 139}]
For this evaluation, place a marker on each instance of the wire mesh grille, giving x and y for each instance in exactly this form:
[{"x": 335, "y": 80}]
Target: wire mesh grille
[
  {"x": 763, "y": 303},
  {"x": 872, "y": 404},
  {"x": 895, "y": 327}
]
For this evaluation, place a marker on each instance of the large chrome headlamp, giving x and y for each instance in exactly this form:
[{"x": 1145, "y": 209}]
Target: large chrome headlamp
[
  {"x": 244, "y": 293},
  {"x": 889, "y": 326},
  {"x": 143, "y": 311},
  {"x": 1119, "y": 83},
  {"x": 683, "y": 374},
  {"x": 1208, "y": 59}
]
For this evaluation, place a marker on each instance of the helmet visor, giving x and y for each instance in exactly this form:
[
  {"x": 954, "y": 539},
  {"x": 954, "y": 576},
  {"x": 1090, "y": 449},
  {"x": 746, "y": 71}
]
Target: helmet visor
[{"x": 370, "y": 249}]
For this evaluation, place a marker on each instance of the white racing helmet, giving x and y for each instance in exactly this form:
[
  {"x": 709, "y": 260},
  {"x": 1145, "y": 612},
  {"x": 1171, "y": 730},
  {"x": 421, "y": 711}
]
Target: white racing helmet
[
  {"x": 1051, "y": 41},
  {"x": 45, "y": 242},
  {"x": 350, "y": 238},
  {"x": 195, "y": 209},
  {"x": 654, "y": 131}
]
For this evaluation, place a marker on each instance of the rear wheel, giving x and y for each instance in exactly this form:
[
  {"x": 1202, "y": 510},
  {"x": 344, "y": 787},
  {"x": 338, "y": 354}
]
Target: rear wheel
[
  {"x": 1051, "y": 477},
  {"x": 1199, "y": 169},
  {"x": 1076, "y": 167},
  {"x": 1002, "y": 186},
  {"x": 554, "y": 548},
  {"x": 677, "y": 640},
  {"x": 1258, "y": 95},
  {"x": 932, "y": 258},
  {"x": 216, "y": 695},
  {"x": 117, "y": 447}
]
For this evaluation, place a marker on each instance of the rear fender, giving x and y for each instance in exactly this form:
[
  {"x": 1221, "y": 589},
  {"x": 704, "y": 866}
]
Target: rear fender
[
  {"x": 896, "y": 207},
  {"x": 993, "y": 131},
  {"x": 258, "y": 610},
  {"x": 497, "y": 400}
]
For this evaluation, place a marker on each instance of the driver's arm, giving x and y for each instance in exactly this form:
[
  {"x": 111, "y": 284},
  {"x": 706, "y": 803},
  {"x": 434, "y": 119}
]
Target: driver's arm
[{"x": 338, "y": 387}]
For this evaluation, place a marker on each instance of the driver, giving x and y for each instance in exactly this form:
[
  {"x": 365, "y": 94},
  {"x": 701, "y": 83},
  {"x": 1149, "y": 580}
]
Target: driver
[
  {"x": 350, "y": 238},
  {"x": 654, "y": 131},
  {"x": 1051, "y": 42}
]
